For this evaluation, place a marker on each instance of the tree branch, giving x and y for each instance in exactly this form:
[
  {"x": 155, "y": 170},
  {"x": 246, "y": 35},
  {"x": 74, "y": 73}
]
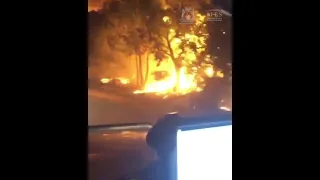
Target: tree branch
[
  {"x": 166, "y": 53},
  {"x": 180, "y": 54},
  {"x": 169, "y": 46}
]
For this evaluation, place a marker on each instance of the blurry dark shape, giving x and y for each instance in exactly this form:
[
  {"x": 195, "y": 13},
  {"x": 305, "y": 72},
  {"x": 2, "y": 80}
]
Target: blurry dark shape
[
  {"x": 223, "y": 4},
  {"x": 214, "y": 86},
  {"x": 220, "y": 36},
  {"x": 160, "y": 75},
  {"x": 162, "y": 136},
  {"x": 94, "y": 83},
  {"x": 211, "y": 96},
  {"x": 193, "y": 46},
  {"x": 112, "y": 153},
  {"x": 139, "y": 30},
  {"x": 114, "y": 6},
  {"x": 159, "y": 55},
  {"x": 142, "y": 33}
]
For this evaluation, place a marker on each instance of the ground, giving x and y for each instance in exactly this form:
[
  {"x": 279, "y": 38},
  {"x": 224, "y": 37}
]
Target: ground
[
  {"x": 110, "y": 108},
  {"x": 114, "y": 154}
]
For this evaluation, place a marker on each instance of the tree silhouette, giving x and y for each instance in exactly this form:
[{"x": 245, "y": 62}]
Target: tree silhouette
[{"x": 138, "y": 28}]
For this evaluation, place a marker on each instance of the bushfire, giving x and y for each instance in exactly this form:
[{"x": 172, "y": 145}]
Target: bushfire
[
  {"x": 190, "y": 76},
  {"x": 166, "y": 77}
]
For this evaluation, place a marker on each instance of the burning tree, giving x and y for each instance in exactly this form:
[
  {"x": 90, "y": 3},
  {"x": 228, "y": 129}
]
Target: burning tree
[
  {"x": 127, "y": 32},
  {"x": 170, "y": 57},
  {"x": 181, "y": 46}
]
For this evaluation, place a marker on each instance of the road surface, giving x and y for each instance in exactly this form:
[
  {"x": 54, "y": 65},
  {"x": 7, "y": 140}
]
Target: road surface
[
  {"x": 114, "y": 154},
  {"x": 106, "y": 108},
  {"x": 109, "y": 108}
]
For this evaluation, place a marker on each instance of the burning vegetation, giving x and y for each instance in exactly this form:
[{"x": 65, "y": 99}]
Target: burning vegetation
[
  {"x": 168, "y": 57},
  {"x": 181, "y": 55},
  {"x": 108, "y": 80}
]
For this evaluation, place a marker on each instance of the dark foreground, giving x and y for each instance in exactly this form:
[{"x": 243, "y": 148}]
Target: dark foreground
[
  {"x": 110, "y": 108},
  {"x": 113, "y": 154}
]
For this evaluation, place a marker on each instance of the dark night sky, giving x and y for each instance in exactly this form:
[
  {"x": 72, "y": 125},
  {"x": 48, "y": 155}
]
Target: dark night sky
[
  {"x": 224, "y": 4},
  {"x": 221, "y": 41}
]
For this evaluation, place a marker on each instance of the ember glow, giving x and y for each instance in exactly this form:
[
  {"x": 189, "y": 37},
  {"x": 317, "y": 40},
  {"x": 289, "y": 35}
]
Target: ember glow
[
  {"x": 94, "y": 5},
  {"x": 225, "y": 108},
  {"x": 108, "y": 80},
  {"x": 184, "y": 65},
  {"x": 190, "y": 76},
  {"x": 105, "y": 80},
  {"x": 156, "y": 55}
]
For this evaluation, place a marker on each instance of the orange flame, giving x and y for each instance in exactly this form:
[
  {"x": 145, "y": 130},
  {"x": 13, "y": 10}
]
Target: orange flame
[{"x": 187, "y": 81}]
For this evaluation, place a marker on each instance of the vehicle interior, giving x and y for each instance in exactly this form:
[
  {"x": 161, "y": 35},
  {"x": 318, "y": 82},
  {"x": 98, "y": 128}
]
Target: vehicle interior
[
  {"x": 117, "y": 151},
  {"x": 143, "y": 63}
]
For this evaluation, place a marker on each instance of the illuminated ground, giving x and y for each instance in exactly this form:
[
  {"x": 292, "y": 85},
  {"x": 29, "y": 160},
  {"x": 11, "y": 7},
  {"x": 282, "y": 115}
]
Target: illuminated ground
[
  {"x": 112, "y": 155},
  {"x": 107, "y": 108},
  {"x": 115, "y": 154}
]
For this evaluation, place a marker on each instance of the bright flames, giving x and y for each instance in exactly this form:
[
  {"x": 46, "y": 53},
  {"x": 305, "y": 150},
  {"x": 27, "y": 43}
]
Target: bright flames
[
  {"x": 225, "y": 108},
  {"x": 121, "y": 80},
  {"x": 190, "y": 76}
]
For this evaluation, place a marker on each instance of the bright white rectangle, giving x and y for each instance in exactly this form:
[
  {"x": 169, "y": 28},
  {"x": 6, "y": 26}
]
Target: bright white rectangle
[{"x": 205, "y": 154}]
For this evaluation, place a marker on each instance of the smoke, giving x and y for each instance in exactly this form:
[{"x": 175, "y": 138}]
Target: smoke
[
  {"x": 106, "y": 62},
  {"x": 103, "y": 60}
]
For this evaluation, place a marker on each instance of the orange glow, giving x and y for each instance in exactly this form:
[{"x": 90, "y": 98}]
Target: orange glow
[
  {"x": 105, "y": 80},
  {"x": 122, "y": 80},
  {"x": 190, "y": 73},
  {"x": 220, "y": 74},
  {"x": 209, "y": 72},
  {"x": 187, "y": 81},
  {"x": 166, "y": 19},
  {"x": 225, "y": 108},
  {"x": 94, "y": 5}
]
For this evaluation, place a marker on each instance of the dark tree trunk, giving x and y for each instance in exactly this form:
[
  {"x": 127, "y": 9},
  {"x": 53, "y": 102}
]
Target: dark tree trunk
[{"x": 147, "y": 70}]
